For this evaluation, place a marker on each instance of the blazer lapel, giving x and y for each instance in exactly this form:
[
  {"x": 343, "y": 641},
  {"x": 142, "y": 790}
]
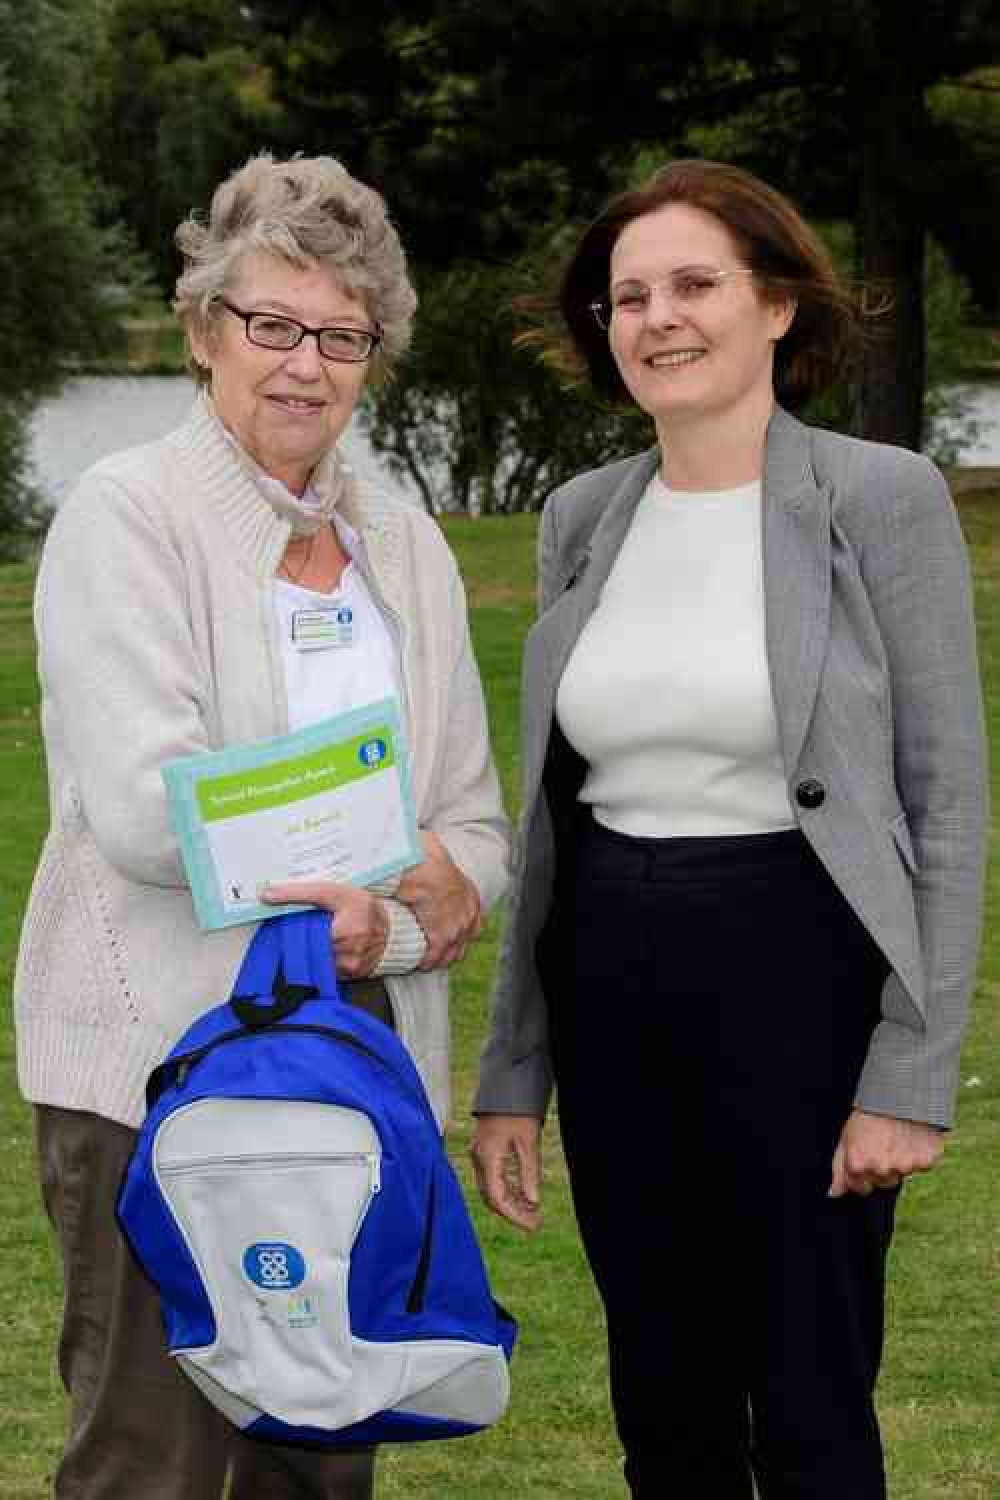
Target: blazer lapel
[
  {"x": 796, "y": 549},
  {"x": 587, "y": 572},
  {"x": 556, "y": 632}
]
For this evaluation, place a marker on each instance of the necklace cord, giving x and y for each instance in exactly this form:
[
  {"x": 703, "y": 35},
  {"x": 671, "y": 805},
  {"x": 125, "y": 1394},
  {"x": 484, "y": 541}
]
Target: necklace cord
[{"x": 283, "y": 566}]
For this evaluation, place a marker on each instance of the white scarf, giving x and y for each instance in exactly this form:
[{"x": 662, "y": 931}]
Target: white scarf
[{"x": 305, "y": 513}]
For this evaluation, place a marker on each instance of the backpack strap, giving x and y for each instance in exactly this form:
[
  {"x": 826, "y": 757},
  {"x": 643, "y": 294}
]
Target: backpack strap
[
  {"x": 290, "y": 960},
  {"x": 307, "y": 950},
  {"x": 260, "y": 962}
]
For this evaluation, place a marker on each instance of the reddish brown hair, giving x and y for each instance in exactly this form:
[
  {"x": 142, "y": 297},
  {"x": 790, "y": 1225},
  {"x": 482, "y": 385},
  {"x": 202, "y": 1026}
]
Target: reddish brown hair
[{"x": 774, "y": 240}]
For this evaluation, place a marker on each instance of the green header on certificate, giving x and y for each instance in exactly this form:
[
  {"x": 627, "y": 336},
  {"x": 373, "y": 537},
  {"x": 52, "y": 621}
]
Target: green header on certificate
[{"x": 286, "y": 781}]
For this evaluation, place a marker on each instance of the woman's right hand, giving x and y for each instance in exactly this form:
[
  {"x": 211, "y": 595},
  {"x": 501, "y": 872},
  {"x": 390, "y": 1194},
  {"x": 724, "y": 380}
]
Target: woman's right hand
[
  {"x": 506, "y": 1156},
  {"x": 360, "y": 925}
]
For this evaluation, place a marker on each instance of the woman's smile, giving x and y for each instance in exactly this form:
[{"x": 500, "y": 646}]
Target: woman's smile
[
  {"x": 673, "y": 359},
  {"x": 298, "y": 403}
]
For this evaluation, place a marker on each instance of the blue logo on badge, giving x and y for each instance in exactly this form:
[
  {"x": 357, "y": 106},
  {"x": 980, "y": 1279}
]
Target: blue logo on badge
[
  {"x": 373, "y": 752},
  {"x": 274, "y": 1267},
  {"x": 345, "y": 616}
]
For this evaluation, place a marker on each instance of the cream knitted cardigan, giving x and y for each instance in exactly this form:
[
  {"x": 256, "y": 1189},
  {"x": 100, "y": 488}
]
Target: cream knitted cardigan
[{"x": 157, "y": 638}]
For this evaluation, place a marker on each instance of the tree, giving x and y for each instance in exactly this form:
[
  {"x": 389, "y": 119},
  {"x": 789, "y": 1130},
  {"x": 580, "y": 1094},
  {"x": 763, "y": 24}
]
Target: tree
[
  {"x": 860, "y": 76},
  {"x": 965, "y": 119},
  {"x": 485, "y": 125},
  {"x": 52, "y": 292},
  {"x": 947, "y": 311},
  {"x": 186, "y": 102},
  {"x": 475, "y": 108},
  {"x": 477, "y": 424},
  {"x": 481, "y": 124}
]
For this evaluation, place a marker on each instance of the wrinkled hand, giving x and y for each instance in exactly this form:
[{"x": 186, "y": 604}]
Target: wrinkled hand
[
  {"x": 506, "y": 1156},
  {"x": 877, "y": 1151},
  {"x": 445, "y": 903},
  {"x": 360, "y": 926}
]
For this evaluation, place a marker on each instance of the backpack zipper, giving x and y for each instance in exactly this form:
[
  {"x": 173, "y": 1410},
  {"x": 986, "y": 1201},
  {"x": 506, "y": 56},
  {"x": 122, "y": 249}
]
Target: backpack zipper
[
  {"x": 415, "y": 1300},
  {"x": 198, "y": 1164},
  {"x": 181, "y": 1066}
]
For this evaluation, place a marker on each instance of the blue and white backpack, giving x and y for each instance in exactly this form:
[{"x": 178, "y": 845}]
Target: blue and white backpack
[{"x": 291, "y": 1199}]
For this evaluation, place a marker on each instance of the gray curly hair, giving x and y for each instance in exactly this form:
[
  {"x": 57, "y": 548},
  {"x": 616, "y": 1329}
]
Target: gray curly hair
[{"x": 306, "y": 210}]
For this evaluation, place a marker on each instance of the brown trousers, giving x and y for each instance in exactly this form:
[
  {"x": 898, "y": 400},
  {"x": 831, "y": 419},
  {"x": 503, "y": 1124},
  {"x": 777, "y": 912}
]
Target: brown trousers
[{"x": 138, "y": 1428}]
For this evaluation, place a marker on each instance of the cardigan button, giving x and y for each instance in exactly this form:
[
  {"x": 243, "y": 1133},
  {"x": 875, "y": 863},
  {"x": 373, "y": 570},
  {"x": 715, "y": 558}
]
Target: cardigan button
[{"x": 810, "y": 793}]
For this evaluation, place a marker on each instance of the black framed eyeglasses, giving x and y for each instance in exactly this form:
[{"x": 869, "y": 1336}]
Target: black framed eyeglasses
[{"x": 349, "y": 346}]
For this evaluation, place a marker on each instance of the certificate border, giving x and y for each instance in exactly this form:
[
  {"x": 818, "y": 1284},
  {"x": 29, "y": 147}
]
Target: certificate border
[{"x": 181, "y": 778}]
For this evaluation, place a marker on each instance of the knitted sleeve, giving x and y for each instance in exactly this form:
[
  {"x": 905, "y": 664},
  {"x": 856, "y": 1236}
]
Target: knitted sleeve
[{"x": 122, "y": 686}]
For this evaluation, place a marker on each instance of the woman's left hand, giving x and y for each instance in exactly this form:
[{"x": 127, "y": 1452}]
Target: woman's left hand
[
  {"x": 445, "y": 903},
  {"x": 878, "y": 1151},
  {"x": 360, "y": 925}
]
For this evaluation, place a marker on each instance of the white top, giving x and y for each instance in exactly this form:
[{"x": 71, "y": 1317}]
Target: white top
[
  {"x": 338, "y": 655},
  {"x": 667, "y": 694},
  {"x": 336, "y": 648}
]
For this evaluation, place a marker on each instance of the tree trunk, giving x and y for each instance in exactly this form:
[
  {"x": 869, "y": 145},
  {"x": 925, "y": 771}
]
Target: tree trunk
[
  {"x": 892, "y": 240},
  {"x": 404, "y": 449}
]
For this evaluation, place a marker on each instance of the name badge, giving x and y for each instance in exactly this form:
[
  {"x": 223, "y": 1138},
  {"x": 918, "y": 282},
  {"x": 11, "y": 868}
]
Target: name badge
[{"x": 322, "y": 629}]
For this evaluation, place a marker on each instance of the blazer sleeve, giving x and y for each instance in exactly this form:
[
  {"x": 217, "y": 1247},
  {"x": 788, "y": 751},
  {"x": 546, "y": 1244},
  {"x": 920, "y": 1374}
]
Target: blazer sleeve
[
  {"x": 512, "y": 1081},
  {"x": 917, "y": 573},
  {"x": 547, "y": 561}
]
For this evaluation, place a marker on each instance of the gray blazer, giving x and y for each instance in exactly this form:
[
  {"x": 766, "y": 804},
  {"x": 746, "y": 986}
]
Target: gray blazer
[{"x": 870, "y": 641}]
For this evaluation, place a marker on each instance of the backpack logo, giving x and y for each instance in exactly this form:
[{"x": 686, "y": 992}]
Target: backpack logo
[{"x": 274, "y": 1267}]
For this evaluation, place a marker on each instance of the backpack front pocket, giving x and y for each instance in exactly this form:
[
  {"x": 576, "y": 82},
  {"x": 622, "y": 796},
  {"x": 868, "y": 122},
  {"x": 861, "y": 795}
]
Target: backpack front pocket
[{"x": 270, "y": 1196}]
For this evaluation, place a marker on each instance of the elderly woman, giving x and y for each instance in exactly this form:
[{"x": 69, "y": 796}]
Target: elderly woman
[
  {"x": 164, "y": 608},
  {"x": 746, "y": 912}
]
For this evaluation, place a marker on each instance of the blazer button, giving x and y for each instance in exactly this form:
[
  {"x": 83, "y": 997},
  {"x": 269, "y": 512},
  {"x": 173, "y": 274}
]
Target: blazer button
[{"x": 810, "y": 793}]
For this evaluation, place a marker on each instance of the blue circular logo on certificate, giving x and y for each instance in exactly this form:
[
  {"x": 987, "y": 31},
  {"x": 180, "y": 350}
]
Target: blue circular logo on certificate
[
  {"x": 373, "y": 752},
  {"x": 274, "y": 1267}
]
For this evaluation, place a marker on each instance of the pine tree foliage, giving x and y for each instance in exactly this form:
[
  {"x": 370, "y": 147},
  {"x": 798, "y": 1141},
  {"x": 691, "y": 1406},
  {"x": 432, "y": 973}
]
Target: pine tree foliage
[{"x": 54, "y": 287}]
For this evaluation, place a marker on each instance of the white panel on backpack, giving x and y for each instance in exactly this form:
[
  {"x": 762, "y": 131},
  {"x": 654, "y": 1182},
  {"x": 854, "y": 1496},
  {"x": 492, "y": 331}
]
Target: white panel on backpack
[{"x": 270, "y": 1196}]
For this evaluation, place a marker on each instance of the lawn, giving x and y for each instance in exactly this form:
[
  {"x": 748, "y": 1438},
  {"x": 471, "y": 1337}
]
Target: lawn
[{"x": 940, "y": 1393}]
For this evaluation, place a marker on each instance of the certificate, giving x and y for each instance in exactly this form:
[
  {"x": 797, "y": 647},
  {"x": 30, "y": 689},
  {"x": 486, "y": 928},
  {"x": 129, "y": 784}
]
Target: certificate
[{"x": 332, "y": 802}]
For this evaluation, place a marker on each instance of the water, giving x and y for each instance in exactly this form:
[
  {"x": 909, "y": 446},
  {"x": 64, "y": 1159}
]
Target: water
[
  {"x": 981, "y": 404},
  {"x": 97, "y": 414}
]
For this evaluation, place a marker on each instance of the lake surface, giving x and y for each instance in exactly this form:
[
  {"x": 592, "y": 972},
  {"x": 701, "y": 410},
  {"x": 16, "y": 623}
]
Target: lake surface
[
  {"x": 97, "y": 414},
  {"x": 982, "y": 405}
]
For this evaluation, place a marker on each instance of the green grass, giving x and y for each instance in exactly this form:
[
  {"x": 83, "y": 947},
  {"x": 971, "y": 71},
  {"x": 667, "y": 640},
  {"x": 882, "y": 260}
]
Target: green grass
[{"x": 940, "y": 1392}]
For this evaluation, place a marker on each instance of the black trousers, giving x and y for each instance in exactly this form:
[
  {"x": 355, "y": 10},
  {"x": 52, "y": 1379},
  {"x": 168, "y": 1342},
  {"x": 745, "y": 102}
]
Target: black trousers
[{"x": 713, "y": 999}]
